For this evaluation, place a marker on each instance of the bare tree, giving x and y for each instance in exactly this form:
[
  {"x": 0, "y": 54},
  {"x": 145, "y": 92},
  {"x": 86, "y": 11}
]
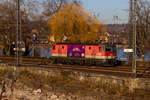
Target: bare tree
[
  {"x": 143, "y": 26},
  {"x": 8, "y": 19},
  {"x": 34, "y": 15}
]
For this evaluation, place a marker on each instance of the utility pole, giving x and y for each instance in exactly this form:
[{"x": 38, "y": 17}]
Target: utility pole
[
  {"x": 130, "y": 24},
  {"x": 134, "y": 39},
  {"x": 18, "y": 34},
  {"x": 130, "y": 36}
]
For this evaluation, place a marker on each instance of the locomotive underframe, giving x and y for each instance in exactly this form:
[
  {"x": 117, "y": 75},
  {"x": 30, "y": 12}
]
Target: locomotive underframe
[{"x": 83, "y": 61}]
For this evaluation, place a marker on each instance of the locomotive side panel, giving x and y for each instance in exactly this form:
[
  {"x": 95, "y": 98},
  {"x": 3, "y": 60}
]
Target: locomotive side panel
[
  {"x": 76, "y": 51},
  {"x": 94, "y": 52},
  {"x": 100, "y": 54},
  {"x": 59, "y": 50}
]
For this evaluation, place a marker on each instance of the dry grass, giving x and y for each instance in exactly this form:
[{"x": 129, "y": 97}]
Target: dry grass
[{"x": 66, "y": 83}]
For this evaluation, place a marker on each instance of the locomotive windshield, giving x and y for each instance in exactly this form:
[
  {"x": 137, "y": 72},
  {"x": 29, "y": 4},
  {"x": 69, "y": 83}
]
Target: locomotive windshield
[
  {"x": 110, "y": 49},
  {"x": 114, "y": 49}
]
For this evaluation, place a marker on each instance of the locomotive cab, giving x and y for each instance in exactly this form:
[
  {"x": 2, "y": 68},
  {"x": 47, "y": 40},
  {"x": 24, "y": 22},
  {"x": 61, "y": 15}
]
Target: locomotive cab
[{"x": 111, "y": 54}]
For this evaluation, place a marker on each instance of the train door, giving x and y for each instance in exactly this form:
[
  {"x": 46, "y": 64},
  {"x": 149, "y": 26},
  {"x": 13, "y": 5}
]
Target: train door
[
  {"x": 59, "y": 51},
  {"x": 94, "y": 52},
  {"x": 62, "y": 50},
  {"x": 54, "y": 51},
  {"x": 100, "y": 52}
]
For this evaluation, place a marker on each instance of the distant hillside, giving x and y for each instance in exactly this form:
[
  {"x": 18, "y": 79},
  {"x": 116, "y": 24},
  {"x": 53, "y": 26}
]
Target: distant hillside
[{"x": 117, "y": 28}]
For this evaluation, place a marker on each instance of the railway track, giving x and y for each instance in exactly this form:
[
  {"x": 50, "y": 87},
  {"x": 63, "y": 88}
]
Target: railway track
[{"x": 143, "y": 72}]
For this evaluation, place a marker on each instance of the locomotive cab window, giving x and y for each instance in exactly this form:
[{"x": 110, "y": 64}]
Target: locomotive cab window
[
  {"x": 100, "y": 48},
  {"x": 108, "y": 49},
  {"x": 114, "y": 49},
  {"x": 63, "y": 47},
  {"x": 90, "y": 48},
  {"x": 53, "y": 47}
]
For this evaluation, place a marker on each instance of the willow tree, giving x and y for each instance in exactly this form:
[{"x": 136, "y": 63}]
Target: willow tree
[{"x": 75, "y": 24}]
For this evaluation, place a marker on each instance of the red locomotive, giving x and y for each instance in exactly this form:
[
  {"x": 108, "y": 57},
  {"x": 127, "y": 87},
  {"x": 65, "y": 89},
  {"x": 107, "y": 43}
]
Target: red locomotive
[{"x": 91, "y": 54}]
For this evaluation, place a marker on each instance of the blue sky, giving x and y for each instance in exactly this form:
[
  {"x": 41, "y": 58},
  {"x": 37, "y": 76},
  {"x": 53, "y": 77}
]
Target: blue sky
[{"x": 106, "y": 9}]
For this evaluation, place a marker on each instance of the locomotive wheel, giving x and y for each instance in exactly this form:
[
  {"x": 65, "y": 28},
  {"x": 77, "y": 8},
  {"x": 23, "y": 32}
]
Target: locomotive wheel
[
  {"x": 52, "y": 61},
  {"x": 117, "y": 63},
  {"x": 71, "y": 62},
  {"x": 88, "y": 62},
  {"x": 64, "y": 62},
  {"x": 82, "y": 62}
]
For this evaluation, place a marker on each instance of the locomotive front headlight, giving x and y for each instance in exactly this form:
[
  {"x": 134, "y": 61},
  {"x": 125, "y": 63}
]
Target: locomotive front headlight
[
  {"x": 82, "y": 54},
  {"x": 70, "y": 54}
]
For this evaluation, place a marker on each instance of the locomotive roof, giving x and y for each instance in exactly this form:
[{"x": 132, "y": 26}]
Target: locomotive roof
[{"x": 107, "y": 44}]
